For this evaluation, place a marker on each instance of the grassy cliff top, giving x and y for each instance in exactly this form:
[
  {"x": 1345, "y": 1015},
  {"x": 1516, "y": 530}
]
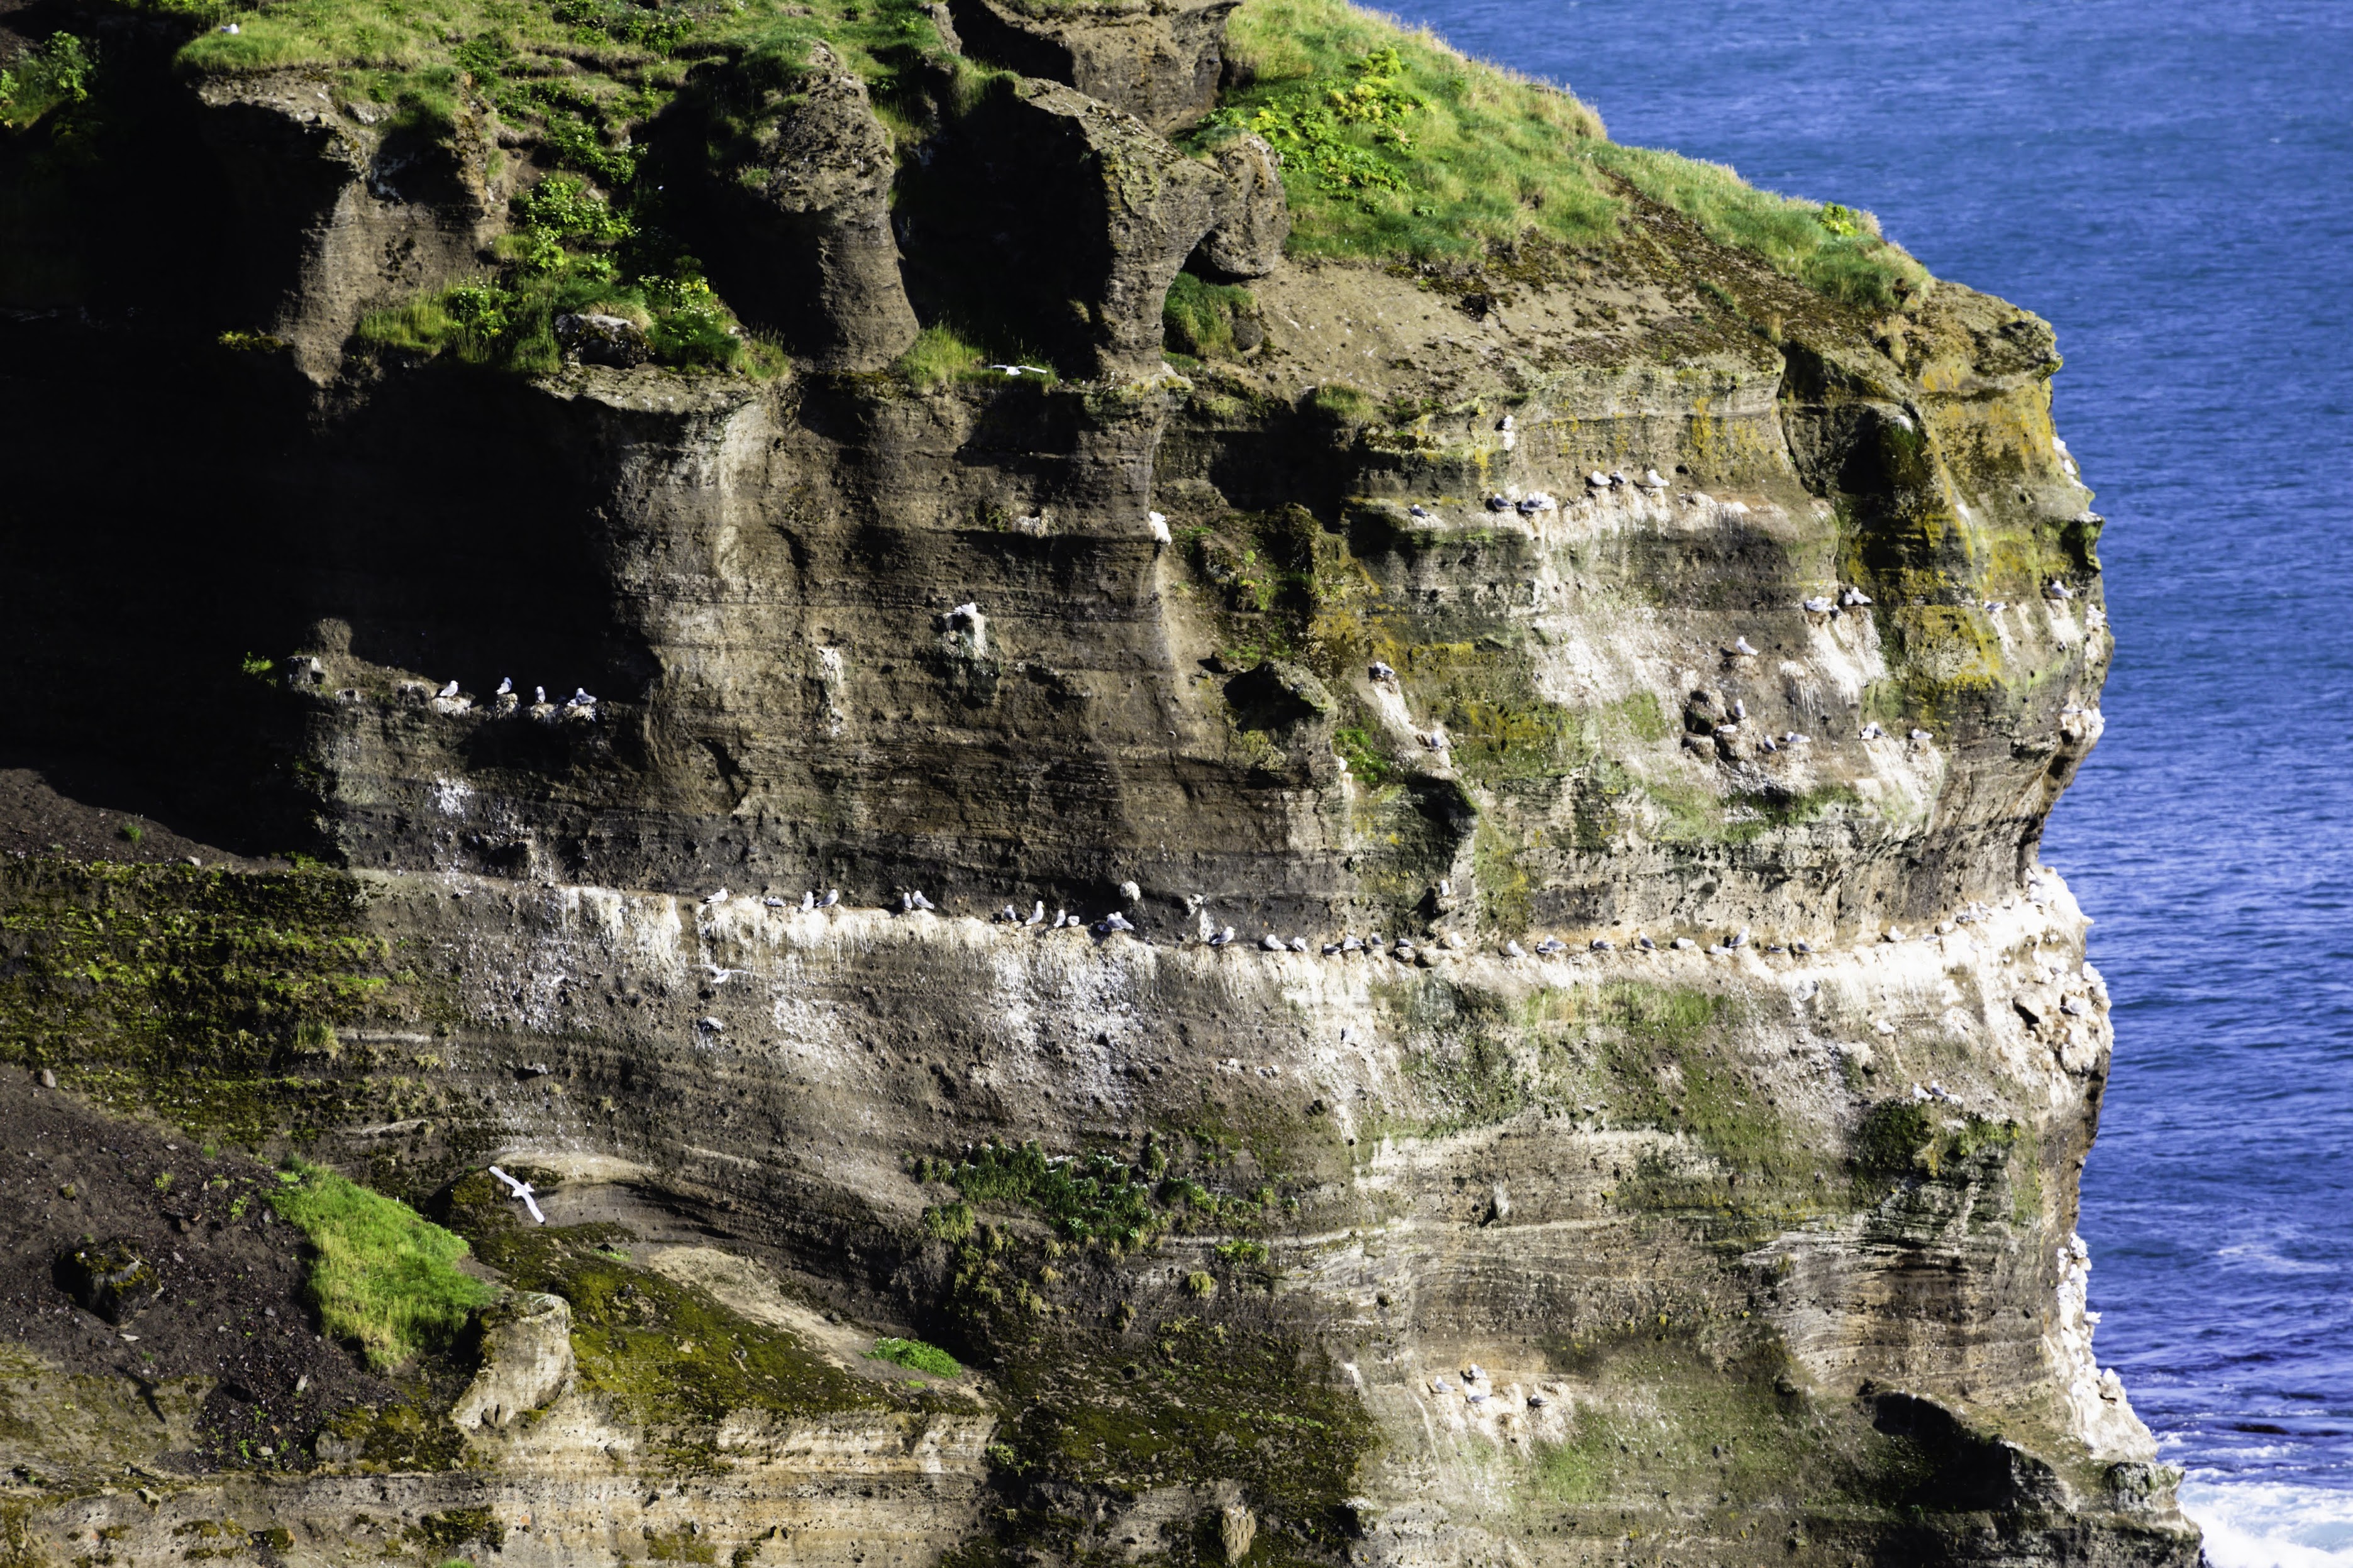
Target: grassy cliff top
[{"x": 1396, "y": 145}]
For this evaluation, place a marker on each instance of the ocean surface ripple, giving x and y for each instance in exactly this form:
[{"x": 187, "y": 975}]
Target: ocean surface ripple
[{"x": 2172, "y": 186}]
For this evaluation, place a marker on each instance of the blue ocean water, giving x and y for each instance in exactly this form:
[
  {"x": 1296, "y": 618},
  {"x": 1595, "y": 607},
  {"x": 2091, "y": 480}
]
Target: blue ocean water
[{"x": 2171, "y": 185}]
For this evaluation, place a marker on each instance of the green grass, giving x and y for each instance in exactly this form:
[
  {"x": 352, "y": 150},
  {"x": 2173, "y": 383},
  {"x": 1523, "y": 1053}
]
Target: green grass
[
  {"x": 1200, "y": 315},
  {"x": 1397, "y": 146},
  {"x": 938, "y": 356},
  {"x": 381, "y": 1275},
  {"x": 917, "y": 1357}
]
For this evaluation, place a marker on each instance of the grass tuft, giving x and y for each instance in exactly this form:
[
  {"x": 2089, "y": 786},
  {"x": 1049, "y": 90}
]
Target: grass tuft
[
  {"x": 917, "y": 1357},
  {"x": 938, "y": 356},
  {"x": 383, "y": 1275}
]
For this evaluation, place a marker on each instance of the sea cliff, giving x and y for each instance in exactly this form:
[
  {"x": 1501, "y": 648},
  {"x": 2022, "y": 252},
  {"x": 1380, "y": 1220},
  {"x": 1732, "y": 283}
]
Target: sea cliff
[{"x": 1191, "y": 789}]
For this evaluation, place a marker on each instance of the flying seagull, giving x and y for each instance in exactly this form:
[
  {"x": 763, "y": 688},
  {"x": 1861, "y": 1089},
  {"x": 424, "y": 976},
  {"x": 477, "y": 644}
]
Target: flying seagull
[{"x": 521, "y": 1190}]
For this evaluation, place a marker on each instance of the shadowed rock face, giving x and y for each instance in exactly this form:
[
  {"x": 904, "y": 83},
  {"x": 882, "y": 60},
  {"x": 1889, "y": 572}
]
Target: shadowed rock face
[
  {"x": 339, "y": 213},
  {"x": 1744, "y": 665},
  {"x": 818, "y": 254}
]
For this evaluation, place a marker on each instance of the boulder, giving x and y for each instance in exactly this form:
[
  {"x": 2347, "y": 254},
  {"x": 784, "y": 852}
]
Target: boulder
[
  {"x": 602, "y": 340},
  {"x": 1253, "y": 217},
  {"x": 526, "y": 1360},
  {"x": 1159, "y": 61},
  {"x": 111, "y": 1278}
]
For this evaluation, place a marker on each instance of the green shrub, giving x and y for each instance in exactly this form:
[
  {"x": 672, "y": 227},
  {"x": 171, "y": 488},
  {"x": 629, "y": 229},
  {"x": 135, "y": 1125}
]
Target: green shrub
[
  {"x": 916, "y": 1355},
  {"x": 58, "y": 72},
  {"x": 381, "y": 1274}
]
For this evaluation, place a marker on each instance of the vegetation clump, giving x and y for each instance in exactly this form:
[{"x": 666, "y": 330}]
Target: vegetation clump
[
  {"x": 916, "y": 1356},
  {"x": 381, "y": 1275},
  {"x": 572, "y": 252},
  {"x": 56, "y": 72},
  {"x": 1209, "y": 321}
]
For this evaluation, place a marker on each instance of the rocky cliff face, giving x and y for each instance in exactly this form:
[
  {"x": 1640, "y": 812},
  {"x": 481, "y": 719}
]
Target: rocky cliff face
[{"x": 1414, "y": 931}]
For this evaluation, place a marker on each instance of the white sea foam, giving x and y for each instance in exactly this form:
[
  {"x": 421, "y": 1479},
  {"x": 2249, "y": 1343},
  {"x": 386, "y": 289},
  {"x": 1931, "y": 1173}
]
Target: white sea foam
[{"x": 2271, "y": 1524}]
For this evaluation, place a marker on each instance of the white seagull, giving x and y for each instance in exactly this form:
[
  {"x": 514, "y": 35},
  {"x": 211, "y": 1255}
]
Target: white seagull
[
  {"x": 506, "y": 686},
  {"x": 450, "y": 690},
  {"x": 523, "y": 1191},
  {"x": 1037, "y": 914}
]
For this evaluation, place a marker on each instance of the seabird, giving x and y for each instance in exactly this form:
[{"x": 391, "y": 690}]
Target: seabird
[
  {"x": 1418, "y": 510},
  {"x": 1651, "y": 482},
  {"x": 1921, "y": 735},
  {"x": 1382, "y": 671},
  {"x": 1007, "y": 915},
  {"x": 580, "y": 698},
  {"x": 1299, "y": 945},
  {"x": 1801, "y": 947},
  {"x": 775, "y": 902},
  {"x": 539, "y": 696},
  {"x": 832, "y": 897},
  {"x": 1219, "y": 938},
  {"x": 1271, "y": 943},
  {"x": 1499, "y": 502},
  {"x": 1853, "y": 596},
  {"x": 1646, "y": 944},
  {"x": 1514, "y": 950},
  {"x": 719, "y": 897},
  {"x": 1739, "y": 710},
  {"x": 523, "y": 1191},
  {"x": 1739, "y": 938},
  {"x": 1474, "y": 1373},
  {"x": 1061, "y": 919},
  {"x": 506, "y": 686},
  {"x": 1112, "y": 922},
  {"x": 2058, "y": 590},
  {"x": 450, "y": 691},
  {"x": 1037, "y": 914},
  {"x": 1508, "y": 422},
  {"x": 1996, "y": 606},
  {"x": 1794, "y": 739},
  {"x": 1445, "y": 887},
  {"x": 1769, "y": 744},
  {"x": 1597, "y": 479},
  {"x": 1350, "y": 944},
  {"x": 1820, "y": 605},
  {"x": 719, "y": 975},
  {"x": 1719, "y": 950},
  {"x": 1873, "y": 732},
  {"x": 1331, "y": 948},
  {"x": 1683, "y": 945},
  {"x": 711, "y": 1026},
  {"x": 1598, "y": 944},
  {"x": 1617, "y": 477},
  {"x": 1740, "y": 649}
]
